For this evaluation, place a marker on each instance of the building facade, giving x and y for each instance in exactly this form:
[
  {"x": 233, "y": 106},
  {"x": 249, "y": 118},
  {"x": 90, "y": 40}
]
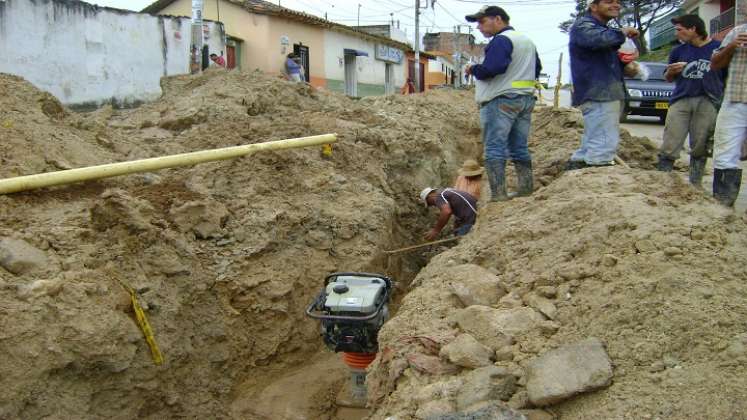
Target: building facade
[
  {"x": 720, "y": 16},
  {"x": 86, "y": 55},
  {"x": 335, "y": 57}
]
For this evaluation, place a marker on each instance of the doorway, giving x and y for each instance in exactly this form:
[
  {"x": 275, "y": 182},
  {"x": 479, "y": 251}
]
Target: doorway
[
  {"x": 351, "y": 75},
  {"x": 233, "y": 53},
  {"x": 303, "y": 52}
]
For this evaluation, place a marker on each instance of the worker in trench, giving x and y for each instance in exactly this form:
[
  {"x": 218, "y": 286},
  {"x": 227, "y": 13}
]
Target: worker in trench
[
  {"x": 462, "y": 205},
  {"x": 731, "y": 123},
  {"x": 504, "y": 91}
]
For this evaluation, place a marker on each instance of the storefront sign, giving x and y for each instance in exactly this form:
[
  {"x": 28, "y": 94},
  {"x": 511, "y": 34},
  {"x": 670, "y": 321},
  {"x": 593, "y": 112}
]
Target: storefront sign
[{"x": 387, "y": 53}]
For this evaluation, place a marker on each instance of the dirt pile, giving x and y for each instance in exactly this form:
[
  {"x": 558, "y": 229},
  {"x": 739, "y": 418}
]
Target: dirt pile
[
  {"x": 224, "y": 256},
  {"x": 637, "y": 268}
]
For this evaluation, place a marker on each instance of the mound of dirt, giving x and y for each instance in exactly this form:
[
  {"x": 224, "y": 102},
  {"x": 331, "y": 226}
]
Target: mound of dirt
[
  {"x": 638, "y": 260},
  {"x": 224, "y": 256}
]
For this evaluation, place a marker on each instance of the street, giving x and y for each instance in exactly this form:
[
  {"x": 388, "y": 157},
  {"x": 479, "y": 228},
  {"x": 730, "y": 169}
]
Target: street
[{"x": 651, "y": 127}]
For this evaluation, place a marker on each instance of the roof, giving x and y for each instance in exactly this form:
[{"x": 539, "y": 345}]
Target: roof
[{"x": 262, "y": 7}]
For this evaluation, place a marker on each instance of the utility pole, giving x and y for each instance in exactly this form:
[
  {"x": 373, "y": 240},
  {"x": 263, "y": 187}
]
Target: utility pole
[
  {"x": 417, "y": 80},
  {"x": 197, "y": 37},
  {"x": 359, "y": 14}
]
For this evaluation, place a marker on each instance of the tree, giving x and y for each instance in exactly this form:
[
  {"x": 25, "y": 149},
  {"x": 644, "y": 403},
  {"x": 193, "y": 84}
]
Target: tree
[{"x": 639, "y": 14}]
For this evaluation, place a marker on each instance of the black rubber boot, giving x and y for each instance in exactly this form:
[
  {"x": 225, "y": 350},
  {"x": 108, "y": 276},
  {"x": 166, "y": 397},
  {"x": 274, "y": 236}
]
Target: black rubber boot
[
  {"x": 697, "y": 168},
  {"x": 665, "y": 164},
  {"x": 726, "y": 183},
  {"x": 497, "y": 177},
  {"x": 525, "y": 178},
  {"x": 572, "y": 165}
]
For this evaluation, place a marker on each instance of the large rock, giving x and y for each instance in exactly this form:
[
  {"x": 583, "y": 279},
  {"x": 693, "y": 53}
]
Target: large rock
[
  {"x": 569, "y": 370},
  {"x": 543, "y": 305},
  {"x": 492, "y": 411},
  {"x": 497, "y": 328},
  {"x": 474, "y": 285},
  {"x": 490, "y": 383},
  {"x": 20, "y": 257},
  {"x": 202, "y": 218},
  {"x": 467, "y": 352}
]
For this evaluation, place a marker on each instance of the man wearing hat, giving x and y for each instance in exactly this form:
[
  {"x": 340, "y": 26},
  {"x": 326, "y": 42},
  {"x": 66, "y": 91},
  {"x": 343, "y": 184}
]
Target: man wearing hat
[
  {"x": 504, "y": 90},
  {"x": 449, "y": 201},
  {"x": 470, "y": 178}
]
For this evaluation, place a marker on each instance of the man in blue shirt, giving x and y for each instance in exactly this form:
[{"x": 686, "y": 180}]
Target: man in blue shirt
[
  {"x": 696, "y": 98},
  {"x": 598, "y": 87},
  {"x": 504, "y": 90}
]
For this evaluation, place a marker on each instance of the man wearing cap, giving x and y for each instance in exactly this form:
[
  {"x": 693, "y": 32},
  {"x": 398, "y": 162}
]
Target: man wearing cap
[
  {"x": 504, "y": 90},
  {"x": 449, "y": 201},
  {"x": 598, "y": 87}
]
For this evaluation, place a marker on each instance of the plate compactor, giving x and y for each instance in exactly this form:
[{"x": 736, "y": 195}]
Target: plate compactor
[{"x": 352, "y": 308}]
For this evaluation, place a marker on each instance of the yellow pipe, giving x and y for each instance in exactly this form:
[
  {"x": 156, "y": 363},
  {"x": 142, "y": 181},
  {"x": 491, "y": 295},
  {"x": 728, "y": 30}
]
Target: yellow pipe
[{"x": 30, "y": 182}]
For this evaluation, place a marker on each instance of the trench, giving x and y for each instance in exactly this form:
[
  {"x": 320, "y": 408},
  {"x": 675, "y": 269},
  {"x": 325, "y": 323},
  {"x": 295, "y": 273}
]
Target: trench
[{"x": 312, "y": 389}]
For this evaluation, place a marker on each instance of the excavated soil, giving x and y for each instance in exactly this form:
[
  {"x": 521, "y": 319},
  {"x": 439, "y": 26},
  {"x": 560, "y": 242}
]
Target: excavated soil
[{"x": 225, "y": 257}]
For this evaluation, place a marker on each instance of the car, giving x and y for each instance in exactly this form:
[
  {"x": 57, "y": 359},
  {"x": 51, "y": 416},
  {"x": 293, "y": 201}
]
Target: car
[{"x": 649, "y": 97}]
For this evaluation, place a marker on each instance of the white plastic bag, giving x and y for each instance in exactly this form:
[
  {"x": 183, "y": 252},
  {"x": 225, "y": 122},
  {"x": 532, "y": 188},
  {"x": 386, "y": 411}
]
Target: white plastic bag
[{"x": 643, "y": 72}]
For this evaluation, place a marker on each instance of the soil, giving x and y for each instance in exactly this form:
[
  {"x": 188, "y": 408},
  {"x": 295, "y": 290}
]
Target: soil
[{"x": 226, "y": 256}]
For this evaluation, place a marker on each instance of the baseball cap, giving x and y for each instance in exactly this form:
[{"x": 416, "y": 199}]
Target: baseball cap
[{"x": 487, "y": 11}]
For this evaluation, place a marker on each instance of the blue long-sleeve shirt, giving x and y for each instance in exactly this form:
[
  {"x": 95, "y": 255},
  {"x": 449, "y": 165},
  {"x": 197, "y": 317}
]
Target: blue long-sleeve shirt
[
  {"x": 596, "y": 69},
  {"x": 498, "y": 57}
]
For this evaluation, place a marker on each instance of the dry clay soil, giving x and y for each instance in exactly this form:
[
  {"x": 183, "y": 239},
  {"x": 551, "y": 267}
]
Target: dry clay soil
[{"x": 225, "y": 256}]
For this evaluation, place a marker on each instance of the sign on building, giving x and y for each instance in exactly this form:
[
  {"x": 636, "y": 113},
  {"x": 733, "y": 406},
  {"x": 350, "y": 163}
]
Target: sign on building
[{"x": 390, "y": 54}]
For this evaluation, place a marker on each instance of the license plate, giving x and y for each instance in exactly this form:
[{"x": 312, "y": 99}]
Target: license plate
[{"x": 662, "y": 105}]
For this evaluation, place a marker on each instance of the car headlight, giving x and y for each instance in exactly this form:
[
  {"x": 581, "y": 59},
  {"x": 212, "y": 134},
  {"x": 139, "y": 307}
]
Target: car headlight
[{"x": 635, "y": 92}]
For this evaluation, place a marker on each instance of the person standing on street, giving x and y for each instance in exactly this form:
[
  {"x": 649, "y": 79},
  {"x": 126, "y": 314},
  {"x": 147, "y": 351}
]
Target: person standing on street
[
  {"x": 697, "y": 95},
  {"x": 731, "y": 123},
  {"x": 504, "y": 88},
  {"x": 598, "y": 87}
]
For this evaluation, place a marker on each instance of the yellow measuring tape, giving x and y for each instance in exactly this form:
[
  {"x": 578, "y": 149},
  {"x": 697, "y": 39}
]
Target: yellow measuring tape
[{"x": 142, "y": 321}]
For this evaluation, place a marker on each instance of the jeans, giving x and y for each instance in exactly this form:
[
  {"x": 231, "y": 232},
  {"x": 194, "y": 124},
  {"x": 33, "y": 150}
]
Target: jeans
[
  {"x": 731, "y": 132},
  {"x": 462, "y": 230},
  {"x": 505, "y": 127},
  {"x": 695, "y": 116},
  {"x": 601, "y": 132}
]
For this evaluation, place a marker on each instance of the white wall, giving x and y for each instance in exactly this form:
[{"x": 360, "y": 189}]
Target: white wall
[
  {"x": 370, "y": 70},
  {"x": 707, "y": 11},
  {"x": 87, "y": 55}
]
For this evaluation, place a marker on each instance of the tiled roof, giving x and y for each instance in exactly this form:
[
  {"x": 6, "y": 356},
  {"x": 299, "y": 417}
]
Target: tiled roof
[{"x": 262, "y": 7}]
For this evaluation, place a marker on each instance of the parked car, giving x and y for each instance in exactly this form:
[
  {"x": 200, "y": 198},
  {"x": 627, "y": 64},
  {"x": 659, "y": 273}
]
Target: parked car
[{"x": 650, "y": 97}]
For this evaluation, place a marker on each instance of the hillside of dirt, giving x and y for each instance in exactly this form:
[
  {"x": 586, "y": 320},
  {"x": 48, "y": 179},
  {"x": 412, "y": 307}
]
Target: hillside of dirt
[
  {"x": 225, "y": 256},
  {"x": 636, "y": 260}
]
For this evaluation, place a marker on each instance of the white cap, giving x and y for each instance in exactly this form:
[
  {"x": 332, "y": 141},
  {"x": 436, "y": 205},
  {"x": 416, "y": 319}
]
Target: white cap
[{"x": 424, "y": 194}]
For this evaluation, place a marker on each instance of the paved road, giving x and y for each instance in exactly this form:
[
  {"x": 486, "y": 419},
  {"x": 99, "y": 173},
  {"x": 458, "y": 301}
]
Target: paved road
[{"x": 651, "y": 127}]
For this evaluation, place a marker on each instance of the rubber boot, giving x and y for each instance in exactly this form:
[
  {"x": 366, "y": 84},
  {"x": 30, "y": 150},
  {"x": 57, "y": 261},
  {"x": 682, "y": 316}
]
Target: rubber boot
[
  {"x": 697, "y": 168},
  {"x": 525, "y": 179},
  {"x": 497, "y": 177},
  {"x": 726, "y": 183},
  {"x": 665, "y": 164}
]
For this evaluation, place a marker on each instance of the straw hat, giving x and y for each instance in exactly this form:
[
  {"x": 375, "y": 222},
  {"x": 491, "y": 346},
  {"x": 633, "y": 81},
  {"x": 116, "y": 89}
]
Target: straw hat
[{"x": 471, "y": 168}]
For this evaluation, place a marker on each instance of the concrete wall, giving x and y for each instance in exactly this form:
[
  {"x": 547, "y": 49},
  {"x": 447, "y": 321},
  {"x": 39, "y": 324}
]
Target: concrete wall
[{"x": 86, "y": 55}]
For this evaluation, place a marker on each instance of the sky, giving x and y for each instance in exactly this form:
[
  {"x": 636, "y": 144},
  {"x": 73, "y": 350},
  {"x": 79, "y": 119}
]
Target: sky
[{"x": 537, "y": 19}]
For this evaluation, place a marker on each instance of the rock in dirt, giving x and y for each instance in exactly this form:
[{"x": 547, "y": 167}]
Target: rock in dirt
[
  {"x": 568, "y": 370},
  {"x": 19, "y": 257},
  {"x": 202, "y": 218},
  {"x": 491, "y": 411},
  {"x": 486, "y": 384},
  {"x": 543, "y": 305},
  {"x": 497, "y": 328},
  {"x": 537, "y": 415},
  {"x": 467, "y": 352},
  {"x": 118, "y": 207},
  {"x": 474, "y": 285},
  {"x": 435, "y": 409}
]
